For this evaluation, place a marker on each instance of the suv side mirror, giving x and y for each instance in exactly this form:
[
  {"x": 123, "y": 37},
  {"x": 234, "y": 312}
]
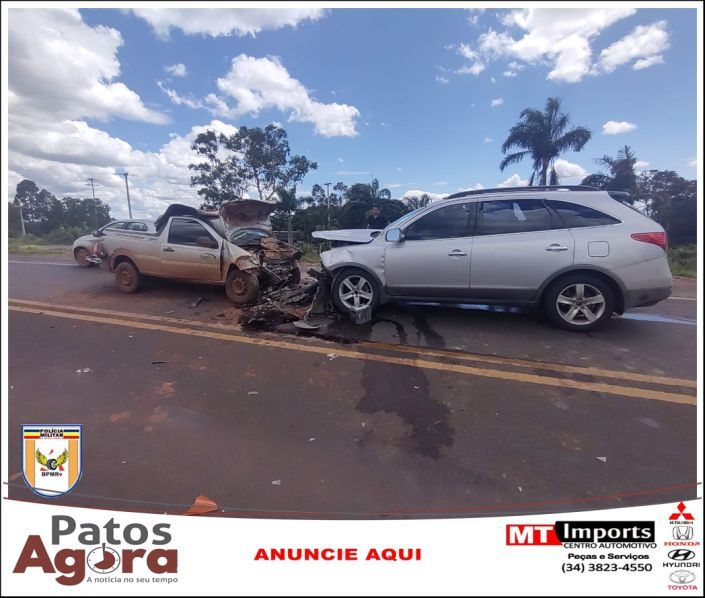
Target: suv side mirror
[
  {"x": 205, "y": 241},
  {"x": 395, "y": 235}
]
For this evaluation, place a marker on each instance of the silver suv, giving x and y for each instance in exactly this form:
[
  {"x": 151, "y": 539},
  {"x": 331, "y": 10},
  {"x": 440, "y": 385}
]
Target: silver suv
[{"x": 577, "y": 253}]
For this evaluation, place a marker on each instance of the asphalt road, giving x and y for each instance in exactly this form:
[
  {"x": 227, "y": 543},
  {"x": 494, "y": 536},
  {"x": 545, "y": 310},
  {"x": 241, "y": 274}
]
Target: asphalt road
[{"x": 426, "y": 411}]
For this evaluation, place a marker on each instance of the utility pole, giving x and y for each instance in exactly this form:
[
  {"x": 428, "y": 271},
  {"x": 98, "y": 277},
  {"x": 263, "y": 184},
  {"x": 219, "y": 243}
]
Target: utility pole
[
  {"x": 22, "y": 220},
  {"x": 327, "y": 204},
  {"x": 127, "y": 188},
  {"x": 92, "y": 183}
]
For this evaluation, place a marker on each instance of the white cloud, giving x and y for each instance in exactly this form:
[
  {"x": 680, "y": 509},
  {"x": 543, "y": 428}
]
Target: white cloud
[
  {"x": 563, "y": 39},
  {"x": 493, "y": 80},
  {"x": 568, "y": 170},
  {"x": 418, "y": 192},
  {"x": 261, "y": 83},
  {"x": 176, "y": 70},
  {"x": 61, "y": 68},
  {"x": 179, "y": 100},
  {"x": 476, "y": 65},
  {"x": 353, "y": 172},
  {"x": 475, "y": 187},
  {"x": 443, "y": 80},
  {"x": 399, "y": 169},
  {"x": 217, "y": 22},
  {"x": 487, "y": 140},
  {"x": 514, "y": 181},
  {"x": 645, "y": 45},
  {"x": 496, "y": 102},
  {"x": 615, "y": 127},
  {"x": 439, "y": 184},
  {"x": 475, "y": 15},
  {"x": 340, "y": 160},
  {"x": 640, "y": 165},
  {"x": 61, "y": 156},
  {"x": 693, "y": 163}
]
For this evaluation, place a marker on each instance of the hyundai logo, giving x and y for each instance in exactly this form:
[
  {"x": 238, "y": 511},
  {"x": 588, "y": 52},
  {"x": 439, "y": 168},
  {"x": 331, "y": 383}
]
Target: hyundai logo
[
  {"x": 681, "y": 554},
  {"x": 681, "y": 576}
]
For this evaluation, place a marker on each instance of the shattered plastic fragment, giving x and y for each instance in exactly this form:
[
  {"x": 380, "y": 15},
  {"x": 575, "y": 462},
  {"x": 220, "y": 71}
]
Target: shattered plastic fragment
[
  {"x": 603, "y": 459},
  {"x": 276, "y": 482},
  {"x": 201, "y": 505}
]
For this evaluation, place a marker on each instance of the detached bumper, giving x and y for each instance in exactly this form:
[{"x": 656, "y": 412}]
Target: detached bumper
[{"x": 646, "y": 297}]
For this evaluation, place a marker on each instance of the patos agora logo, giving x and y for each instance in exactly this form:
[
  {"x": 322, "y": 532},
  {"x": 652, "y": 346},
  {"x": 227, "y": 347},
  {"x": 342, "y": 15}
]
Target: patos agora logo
[{"x": 77, "y": 551}]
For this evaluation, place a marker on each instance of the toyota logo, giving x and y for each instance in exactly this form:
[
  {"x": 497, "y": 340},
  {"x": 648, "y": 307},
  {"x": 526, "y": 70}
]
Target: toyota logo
[
  {"x": 681, "y": 576},
  {"x": 681, "y": 554}
]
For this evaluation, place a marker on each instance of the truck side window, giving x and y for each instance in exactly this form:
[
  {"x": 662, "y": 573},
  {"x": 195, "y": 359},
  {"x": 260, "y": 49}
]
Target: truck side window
[{"x": 185, "y": 232}]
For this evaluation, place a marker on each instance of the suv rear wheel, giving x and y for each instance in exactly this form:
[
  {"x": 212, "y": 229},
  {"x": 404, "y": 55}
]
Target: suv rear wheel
[
  {"x": 579, "y": 302},
  {"x": 355, "y": 289}
]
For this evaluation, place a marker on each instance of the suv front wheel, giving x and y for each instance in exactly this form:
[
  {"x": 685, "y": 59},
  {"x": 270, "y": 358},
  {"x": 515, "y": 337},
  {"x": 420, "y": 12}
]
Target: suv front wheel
[
  {"x": 579, "y": 302},
  {"x": 354, "y": 290}
]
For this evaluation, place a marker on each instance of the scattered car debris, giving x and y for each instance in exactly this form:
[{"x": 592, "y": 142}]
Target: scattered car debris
[
  {"x": 332, "y": 356},
  {"x": 197, "y": 302},
  {"x": 253, "y": 392},
  {"x": 311, "y": 439},
  {"x": 276, "y": 482},
  {"x": 84, "y": 370},
  {"x": 603, "y": 459},
  {"x": 202, "y": 505},
  {"x": 157, "y": 362}
]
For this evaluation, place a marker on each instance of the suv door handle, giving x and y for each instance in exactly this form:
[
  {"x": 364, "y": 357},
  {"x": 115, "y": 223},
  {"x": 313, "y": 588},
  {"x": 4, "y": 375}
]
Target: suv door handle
[
  {"x": 457, "y": 253},
  {"x": 169, "y": 249},
  {"x": 556, "y": 247}
]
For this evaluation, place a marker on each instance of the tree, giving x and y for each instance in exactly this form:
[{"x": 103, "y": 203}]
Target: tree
[
  {"x": 543, "y": 137},
  {"x": 34, "y": 203},
  {"x": 414, "y": 202},
  {"x": 288, "y": 204},
  {"x": 599, "y": 181},
  {"x": 368, "y": 194},
  {"x": 671, "y": 200},
  {"x": 253, "y": 159},
  {"x": 621, "y": 170},
  {"x": 392, "y": 209}
]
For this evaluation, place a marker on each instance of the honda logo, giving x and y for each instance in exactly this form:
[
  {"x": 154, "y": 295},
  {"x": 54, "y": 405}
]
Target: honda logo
[
  {"x": 682, "y": 532},
  {"x": 681, "y": 554}
]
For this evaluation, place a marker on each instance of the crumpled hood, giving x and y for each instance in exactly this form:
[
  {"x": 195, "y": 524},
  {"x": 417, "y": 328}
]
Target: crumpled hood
[
  {"x": 246, "y": 212},
  {"x": 350, "y": 235}
]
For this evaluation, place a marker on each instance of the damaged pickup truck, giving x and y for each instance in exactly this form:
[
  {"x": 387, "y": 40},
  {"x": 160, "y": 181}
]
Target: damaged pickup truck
[{"x": 233, "y": 247}]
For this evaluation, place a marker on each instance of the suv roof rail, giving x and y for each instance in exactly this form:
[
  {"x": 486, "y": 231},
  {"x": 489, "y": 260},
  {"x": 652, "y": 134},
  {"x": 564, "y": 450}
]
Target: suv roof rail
[{"x": 523, "y": 190}]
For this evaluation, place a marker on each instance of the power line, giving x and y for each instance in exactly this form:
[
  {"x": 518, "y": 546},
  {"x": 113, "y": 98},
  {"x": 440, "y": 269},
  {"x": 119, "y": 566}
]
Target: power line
[{"x": 92, "y": 182}]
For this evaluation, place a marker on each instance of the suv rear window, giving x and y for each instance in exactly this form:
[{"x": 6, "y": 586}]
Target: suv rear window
[
  {"x": 513, "y": 216},
  {"x": 575, "y": 215}
]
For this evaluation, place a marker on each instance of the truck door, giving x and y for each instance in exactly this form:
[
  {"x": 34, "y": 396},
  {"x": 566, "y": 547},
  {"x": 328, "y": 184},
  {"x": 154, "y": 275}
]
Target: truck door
[{"x": 190, "y": 251}]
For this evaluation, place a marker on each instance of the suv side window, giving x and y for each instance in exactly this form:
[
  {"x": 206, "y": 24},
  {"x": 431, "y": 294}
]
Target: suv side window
[
  {"x": 137, "y": 226},
  {"x": 513, "y": 216},
  {"x": 185, "y": 232},
  {"x": 442, "y": 223},
  {"x": 575, "y": 215}
]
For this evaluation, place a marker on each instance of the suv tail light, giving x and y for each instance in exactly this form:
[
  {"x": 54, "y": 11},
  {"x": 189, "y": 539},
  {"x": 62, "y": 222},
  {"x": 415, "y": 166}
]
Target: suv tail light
[{"x": 660, "y": 239}]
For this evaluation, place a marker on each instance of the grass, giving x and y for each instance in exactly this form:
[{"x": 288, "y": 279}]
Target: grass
[
  {"x": 310, "y": 255},
  {"x": 683, "y": 260},
  {"x": 20, "y": 246}
]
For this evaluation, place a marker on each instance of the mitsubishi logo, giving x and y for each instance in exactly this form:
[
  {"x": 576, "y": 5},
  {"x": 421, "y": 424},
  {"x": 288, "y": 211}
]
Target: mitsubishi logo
[{"x": 681, "y": 513}]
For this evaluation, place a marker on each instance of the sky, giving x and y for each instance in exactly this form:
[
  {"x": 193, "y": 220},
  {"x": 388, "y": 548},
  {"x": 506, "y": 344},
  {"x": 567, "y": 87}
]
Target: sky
[{"x": 420, "y": 99}]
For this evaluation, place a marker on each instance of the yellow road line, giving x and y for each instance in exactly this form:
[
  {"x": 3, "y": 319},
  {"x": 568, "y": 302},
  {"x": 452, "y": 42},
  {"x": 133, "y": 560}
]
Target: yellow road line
[
  {"x": 542, "y": 365},
  {"x": 419, "y": 363},
  {"x": 424, "y": 351}
]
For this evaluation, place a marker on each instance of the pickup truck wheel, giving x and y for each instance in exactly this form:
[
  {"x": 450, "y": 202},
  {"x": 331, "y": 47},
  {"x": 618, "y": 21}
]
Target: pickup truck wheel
[
  {"x": 127, "y": 278},
  {"x": 242, "y": 287},
  {"x": 81, "y": 255}
]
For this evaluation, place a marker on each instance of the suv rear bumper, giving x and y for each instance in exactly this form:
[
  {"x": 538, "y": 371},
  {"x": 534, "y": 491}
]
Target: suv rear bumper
[{"x": 646, "y": 297}]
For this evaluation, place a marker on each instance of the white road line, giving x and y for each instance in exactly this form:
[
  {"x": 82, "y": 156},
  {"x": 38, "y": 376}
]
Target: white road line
[
  {"x": 42, "y": 263},
  {"x": 685, "y": 298}
]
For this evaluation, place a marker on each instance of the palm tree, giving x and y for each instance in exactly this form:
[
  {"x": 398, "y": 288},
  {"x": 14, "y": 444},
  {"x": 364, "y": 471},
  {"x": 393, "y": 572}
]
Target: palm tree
[
  {"x": 543, "y": 137},
  {"x": 623, "y": 177},
  {"x": 377, "y": 193}
]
